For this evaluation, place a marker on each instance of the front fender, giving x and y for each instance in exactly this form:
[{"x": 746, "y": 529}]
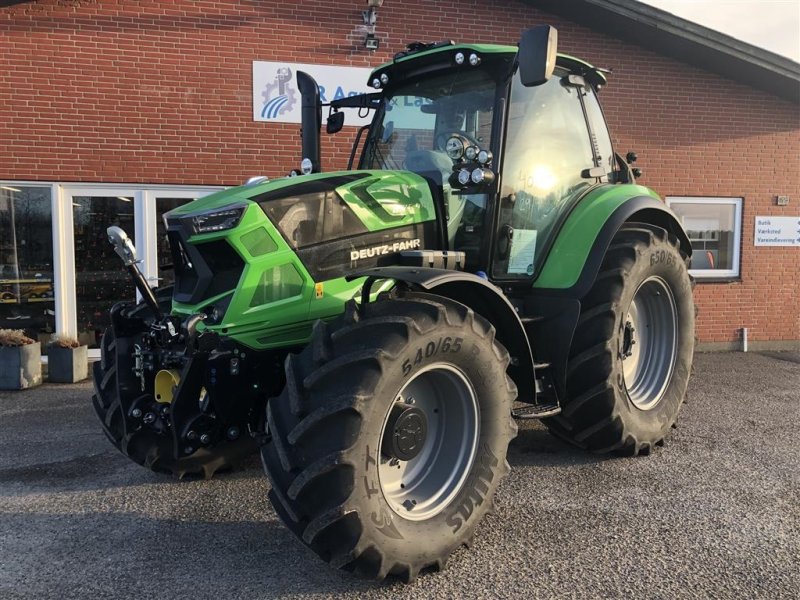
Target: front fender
[{"x": 482, "y": 297}]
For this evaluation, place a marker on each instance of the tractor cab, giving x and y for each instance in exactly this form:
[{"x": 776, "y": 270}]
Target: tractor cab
[{"x": 508, "y": 139}]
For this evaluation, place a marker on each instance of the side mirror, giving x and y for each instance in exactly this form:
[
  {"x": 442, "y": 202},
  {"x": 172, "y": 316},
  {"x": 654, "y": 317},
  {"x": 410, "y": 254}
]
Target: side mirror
[
  {"x": 335, "y": 122},
  {"x": 537, "y": 55}
]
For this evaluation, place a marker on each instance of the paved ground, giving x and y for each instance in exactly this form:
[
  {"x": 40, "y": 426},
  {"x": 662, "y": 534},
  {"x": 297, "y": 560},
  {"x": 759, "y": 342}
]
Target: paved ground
[{"x": 714, "y": 513}]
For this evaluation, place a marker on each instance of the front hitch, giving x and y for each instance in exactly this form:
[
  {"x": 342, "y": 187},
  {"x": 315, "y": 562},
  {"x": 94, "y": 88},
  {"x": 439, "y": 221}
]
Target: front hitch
[{"x": 124, "y": 247}]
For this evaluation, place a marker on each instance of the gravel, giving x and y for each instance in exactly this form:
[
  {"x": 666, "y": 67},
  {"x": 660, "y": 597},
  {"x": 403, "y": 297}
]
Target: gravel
[{"x": 716, "y": 512}]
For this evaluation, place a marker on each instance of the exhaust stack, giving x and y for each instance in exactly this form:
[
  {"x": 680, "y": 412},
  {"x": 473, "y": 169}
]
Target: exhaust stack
[{"x": 311, "y": 115}]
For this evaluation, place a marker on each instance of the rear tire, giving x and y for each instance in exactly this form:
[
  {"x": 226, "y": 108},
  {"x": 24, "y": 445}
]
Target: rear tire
[
  {"x": 333, "y": 481},
  {"x": 632, "y": 350},
  {"x": 146, "y": 447}
]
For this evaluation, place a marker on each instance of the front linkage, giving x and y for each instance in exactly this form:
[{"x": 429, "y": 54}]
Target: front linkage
[
  {"x": 179, "y": 379},
  {"x": 168, "y": 393}
]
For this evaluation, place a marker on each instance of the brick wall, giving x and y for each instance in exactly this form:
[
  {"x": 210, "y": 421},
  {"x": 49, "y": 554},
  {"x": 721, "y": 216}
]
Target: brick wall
[{"x": 160, "y": 92}]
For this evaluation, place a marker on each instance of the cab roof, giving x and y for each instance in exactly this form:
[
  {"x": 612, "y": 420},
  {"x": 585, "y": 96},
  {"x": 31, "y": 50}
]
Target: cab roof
[{"x": 420, "y": 58}]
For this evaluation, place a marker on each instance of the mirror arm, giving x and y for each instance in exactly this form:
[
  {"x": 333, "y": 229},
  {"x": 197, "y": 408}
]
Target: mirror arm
[
  {"x": 361, "y": 130},
  {"x": 370, "y": 100}
]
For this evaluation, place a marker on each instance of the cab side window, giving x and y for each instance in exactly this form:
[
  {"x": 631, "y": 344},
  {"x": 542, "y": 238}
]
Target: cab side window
[{"x": 547, "y": 149}]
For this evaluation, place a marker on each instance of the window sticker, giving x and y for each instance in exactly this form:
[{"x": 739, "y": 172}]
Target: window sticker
[{"x": 523, "y": 249}]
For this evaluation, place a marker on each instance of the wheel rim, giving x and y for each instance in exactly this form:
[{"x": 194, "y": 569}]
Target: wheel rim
[
  {"x": 650, "y": 343},
  {"x": 419, "y": 488}
]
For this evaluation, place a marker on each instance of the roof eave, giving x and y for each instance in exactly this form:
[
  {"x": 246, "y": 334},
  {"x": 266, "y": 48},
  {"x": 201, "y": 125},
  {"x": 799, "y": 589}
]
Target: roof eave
[{"x": 684, "y": 40}]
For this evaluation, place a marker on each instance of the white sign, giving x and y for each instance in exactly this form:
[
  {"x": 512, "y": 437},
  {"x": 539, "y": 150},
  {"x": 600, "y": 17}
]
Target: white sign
[
  {"x": 523, "y": 249},
  {"x": 276, "y": 97},
  {"x": 777, "y": 231}
]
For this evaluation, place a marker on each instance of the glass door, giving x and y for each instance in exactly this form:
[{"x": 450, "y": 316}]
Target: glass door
[
  {"x": 100, "y": 278},
  {"x": 165, "y": 201},
  {"x": 156, "y": 258}
]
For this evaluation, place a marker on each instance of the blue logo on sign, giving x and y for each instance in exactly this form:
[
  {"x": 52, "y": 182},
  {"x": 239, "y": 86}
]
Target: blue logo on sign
[{"x": 283, "y": 101}]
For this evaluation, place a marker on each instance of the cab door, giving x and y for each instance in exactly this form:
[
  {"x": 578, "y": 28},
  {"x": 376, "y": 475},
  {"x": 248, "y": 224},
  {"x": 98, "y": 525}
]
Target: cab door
[{"x": 546, "y": 161}]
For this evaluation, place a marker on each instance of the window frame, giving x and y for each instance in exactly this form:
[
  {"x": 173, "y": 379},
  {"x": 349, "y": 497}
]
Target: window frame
[
  {"x": 16, "y": 185},
  {"x": 711, "y": 275}
]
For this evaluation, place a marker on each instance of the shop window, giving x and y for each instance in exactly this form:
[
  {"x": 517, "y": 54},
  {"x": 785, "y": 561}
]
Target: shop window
[
  {"x": 714, "y": 227},
  {"x": 26, "y": 259}
]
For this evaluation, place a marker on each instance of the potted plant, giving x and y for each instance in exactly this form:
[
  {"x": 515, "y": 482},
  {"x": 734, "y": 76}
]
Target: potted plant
[
  {"x": 20, "y": 360},
  {"x": 67, "y": 360}
]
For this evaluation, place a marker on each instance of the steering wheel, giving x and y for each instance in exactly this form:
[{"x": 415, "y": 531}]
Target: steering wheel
[{"x": 441, "y": 139}]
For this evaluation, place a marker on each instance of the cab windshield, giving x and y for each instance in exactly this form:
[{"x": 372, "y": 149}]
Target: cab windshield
[
  {"x": 417, "y": 120},
  {"x": 411, "y": 131}
]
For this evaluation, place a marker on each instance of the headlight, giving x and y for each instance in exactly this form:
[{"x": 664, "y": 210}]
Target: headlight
[
  {"x": 454, "y": 148},
  {"x": 484, "y": 156},
  {"x": 463, "y": 177},
  {"x": 306, "y": 166},
  {"x": 216, "y": 220},
  {"x": 484, "y": 176},
  {"x": 471, "y": 152}
]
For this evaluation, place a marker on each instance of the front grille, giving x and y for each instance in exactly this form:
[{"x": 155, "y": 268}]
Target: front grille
[{"x": 203, "y": 271}]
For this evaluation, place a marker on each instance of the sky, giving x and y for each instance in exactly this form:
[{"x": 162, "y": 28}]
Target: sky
[{"x": 770, "y": 24}]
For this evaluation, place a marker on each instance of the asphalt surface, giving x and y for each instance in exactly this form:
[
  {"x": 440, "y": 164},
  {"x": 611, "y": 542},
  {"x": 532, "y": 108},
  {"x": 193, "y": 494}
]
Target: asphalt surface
[{"x": 716, "y": 512}]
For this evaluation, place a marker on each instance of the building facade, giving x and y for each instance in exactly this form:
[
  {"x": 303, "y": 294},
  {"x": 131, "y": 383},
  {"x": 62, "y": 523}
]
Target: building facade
[{"x": 113, "y": 111}]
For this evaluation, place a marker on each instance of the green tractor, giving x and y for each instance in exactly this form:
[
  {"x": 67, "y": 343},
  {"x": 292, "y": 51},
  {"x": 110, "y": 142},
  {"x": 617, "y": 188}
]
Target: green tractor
[{"x": 375, "y": 332}]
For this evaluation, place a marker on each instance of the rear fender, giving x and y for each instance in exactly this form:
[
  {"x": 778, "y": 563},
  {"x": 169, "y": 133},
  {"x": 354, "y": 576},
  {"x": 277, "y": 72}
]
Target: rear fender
[
  {"x": 575, "y": 260},
  {"x": 575, "y": 257}
]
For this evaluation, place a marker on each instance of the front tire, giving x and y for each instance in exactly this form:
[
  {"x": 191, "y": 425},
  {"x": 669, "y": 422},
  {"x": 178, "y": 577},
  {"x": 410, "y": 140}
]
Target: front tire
[
  {"x": 632, "y": 350},
  {"x": 390, "y": 438}
]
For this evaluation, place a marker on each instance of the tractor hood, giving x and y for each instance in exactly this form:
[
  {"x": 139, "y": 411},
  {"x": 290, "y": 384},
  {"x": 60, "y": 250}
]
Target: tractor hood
[
  {"x": 379, "y": 200},
  {"x": 247, "y": 255}
]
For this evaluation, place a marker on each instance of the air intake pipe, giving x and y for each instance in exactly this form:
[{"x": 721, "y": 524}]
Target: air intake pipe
[{"x": 311, "y": 115}]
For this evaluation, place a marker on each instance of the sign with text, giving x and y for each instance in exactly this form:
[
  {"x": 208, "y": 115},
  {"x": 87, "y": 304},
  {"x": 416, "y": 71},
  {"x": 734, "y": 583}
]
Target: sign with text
[
  {"x": 276, "y": 97},
  {"x": 777, "y": 231}
]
